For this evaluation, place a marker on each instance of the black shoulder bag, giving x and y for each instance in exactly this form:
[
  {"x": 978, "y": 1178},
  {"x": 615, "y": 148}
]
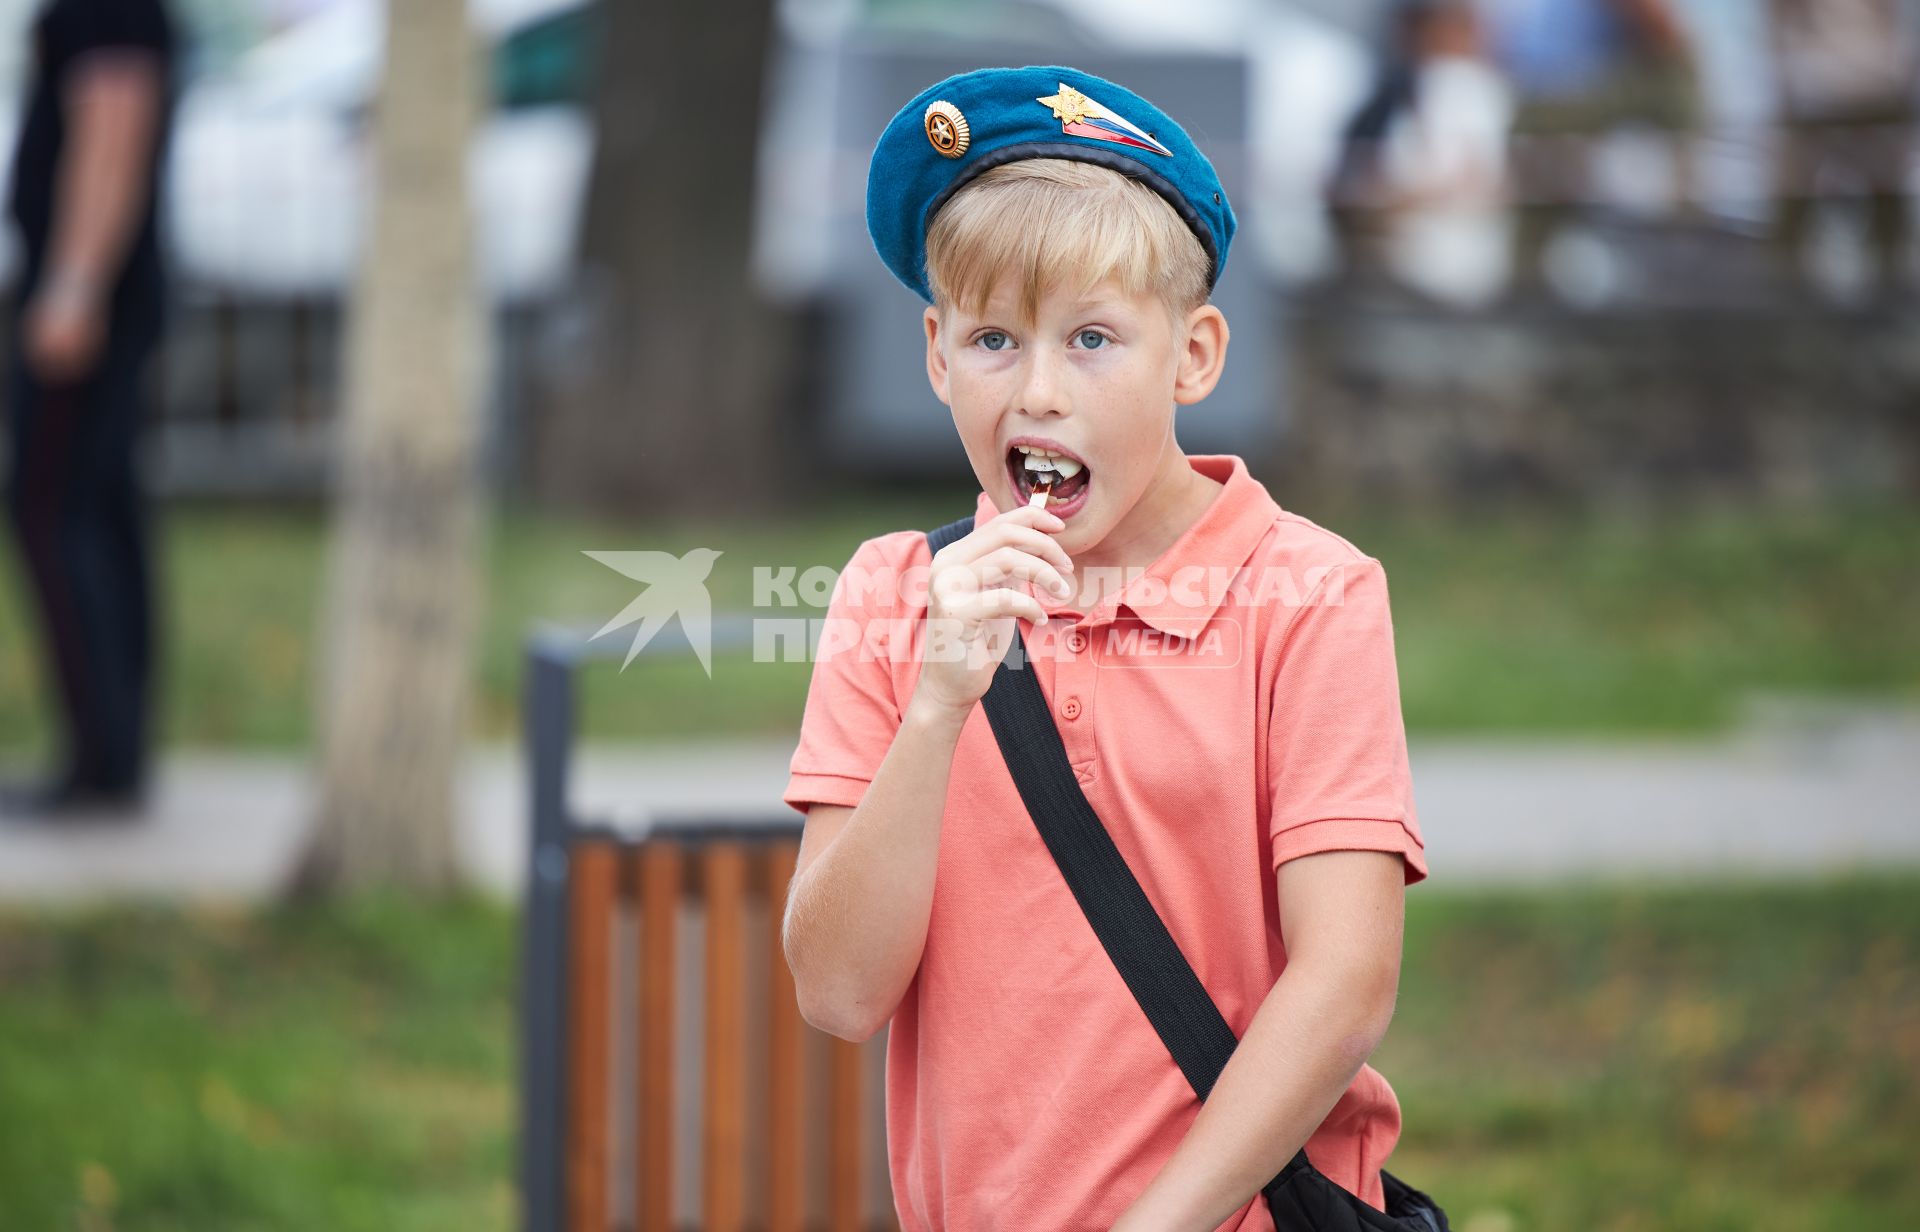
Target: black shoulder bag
[{"x": 1301, "y": 1198}]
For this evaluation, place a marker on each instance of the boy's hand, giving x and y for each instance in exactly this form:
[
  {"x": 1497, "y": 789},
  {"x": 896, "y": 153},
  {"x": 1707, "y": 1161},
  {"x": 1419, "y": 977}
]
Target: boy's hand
[{"x": 971, "y": 605}]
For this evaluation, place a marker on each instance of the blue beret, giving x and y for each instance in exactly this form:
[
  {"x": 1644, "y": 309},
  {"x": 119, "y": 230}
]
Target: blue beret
[{"x": 957, "y": 128}]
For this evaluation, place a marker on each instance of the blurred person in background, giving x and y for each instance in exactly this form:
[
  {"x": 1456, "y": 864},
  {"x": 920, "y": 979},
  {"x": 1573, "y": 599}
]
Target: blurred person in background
[
  {"x": 1583, "y": 68},
  {"x": 86, "y": 315},
  {"x": 1420, "y": 189},
  {"x": 1846, "y": 73}
]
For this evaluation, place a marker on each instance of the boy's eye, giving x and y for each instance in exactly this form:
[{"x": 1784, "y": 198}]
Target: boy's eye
[
  {"x": 993, "y": 340},
  {"x": 1092, "y": 339}
]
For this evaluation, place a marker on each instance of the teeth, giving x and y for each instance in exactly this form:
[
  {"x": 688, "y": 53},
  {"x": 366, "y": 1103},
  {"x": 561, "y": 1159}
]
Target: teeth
[
  {"x": 1066, "y": 468},
  {"x": 1038, "y": 459}
]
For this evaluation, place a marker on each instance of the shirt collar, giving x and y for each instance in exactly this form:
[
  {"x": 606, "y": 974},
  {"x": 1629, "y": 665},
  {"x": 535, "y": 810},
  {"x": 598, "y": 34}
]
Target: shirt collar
[{"x": 1217, "y": 544}]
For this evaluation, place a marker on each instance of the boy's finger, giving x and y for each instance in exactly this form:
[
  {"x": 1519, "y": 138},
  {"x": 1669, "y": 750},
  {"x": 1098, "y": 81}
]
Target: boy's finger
[
  {"x": 1010, "y": 603},
  {"x": 1012, "y": 532},
  {"x": 1028, "y": 515},
  {"x": 1024, "y": 528},
  {"x": 1045, "y": 518},
  {"x": 1013, "y": 562},
  {"x": 1040, "y": 544}
]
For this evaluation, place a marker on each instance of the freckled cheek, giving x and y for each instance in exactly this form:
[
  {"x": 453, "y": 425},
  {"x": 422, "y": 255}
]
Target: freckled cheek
[
  {"x": 980, "y": 374},
  {"x": 976, "y": 415},
  {"x": 1115, "y": 372},
  {"x": 972, "y": 415}
]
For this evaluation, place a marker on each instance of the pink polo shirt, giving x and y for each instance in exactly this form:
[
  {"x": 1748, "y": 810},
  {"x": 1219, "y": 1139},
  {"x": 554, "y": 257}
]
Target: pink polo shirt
[{"x": 1232, "y": 708}]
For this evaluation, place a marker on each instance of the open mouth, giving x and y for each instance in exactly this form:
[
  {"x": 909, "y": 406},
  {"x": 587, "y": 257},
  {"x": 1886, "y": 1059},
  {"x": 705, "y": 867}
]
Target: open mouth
[{"x": 1030, "y": 465}]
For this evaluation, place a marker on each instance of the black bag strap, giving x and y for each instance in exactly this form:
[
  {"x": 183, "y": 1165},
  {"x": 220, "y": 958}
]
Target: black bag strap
[
  {"x": 1145, "y": 953},
  {"x": 1132, "y": 932}
]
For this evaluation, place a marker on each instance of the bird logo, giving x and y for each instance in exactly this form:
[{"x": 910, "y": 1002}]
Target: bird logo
[{"x": 671, "y": 586}]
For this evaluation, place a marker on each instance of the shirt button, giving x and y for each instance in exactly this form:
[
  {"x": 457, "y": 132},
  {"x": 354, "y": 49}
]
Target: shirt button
[
  {"x": 1076, "y": 641},
  {"x": 1071, "y": 708}
]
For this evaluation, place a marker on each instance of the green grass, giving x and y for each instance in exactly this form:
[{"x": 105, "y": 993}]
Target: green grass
[
  {"x": 283, "y": 1071},
  {"x": 1625, "y": 625},
  {"x": 1504, "y": 623},
  {"x": 1700, "y": 1059},
  {"x": 1713, "y": 1059}
]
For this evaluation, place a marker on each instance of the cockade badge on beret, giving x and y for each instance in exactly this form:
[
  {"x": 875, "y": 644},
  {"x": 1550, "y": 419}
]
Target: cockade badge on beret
[
  {"x": 947, "y": 129},
  {"x": 960, "y": 127}
]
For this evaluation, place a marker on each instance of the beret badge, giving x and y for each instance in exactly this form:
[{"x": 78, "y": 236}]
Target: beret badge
[
  {"x": 947, "y": 130},
  {"x": 1082, "y": 117}
]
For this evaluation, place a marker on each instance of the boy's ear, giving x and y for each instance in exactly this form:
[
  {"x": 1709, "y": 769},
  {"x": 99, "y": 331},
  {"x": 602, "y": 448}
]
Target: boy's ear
[
  {"x": 1205, "y": 355},
  {"x": 936, "y": 358}
]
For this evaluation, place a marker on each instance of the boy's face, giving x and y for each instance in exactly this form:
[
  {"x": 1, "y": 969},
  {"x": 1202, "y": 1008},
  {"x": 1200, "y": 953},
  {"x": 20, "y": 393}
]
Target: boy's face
[{"x": 1094, "y": 375}]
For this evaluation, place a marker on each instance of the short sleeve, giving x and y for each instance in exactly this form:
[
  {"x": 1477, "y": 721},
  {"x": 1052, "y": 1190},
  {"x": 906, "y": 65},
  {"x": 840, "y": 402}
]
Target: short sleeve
[
  {"x": 1337, "y": 746},
  {"x": 852, "y": 713}
]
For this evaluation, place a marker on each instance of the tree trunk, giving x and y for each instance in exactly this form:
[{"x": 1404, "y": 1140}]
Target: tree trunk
[
  {"x": 402, "y": 594},
  {"x": 672, "y": 400}
]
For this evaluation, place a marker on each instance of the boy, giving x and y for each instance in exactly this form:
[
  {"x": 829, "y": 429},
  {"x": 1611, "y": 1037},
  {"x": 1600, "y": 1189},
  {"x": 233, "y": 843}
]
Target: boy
[{"x": 1244, "y": 743}]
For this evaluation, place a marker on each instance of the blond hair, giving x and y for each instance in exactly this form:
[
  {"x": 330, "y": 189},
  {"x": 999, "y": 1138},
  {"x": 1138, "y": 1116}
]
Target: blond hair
[{"x": 1054, "y": 222}]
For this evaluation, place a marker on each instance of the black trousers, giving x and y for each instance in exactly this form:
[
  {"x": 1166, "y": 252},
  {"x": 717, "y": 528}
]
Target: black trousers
[{"x": 80, "y": 520}]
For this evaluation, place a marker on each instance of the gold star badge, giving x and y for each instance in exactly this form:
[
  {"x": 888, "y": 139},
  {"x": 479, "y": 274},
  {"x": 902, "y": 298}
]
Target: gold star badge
[{"x": 1069, "y": 106}]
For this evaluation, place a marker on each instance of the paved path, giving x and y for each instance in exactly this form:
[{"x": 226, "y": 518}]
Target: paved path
[{"x": 1805, "y": 791}]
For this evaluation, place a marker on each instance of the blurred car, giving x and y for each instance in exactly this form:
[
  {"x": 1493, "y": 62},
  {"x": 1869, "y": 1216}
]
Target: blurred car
[{"x": 266, "y": 186}]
